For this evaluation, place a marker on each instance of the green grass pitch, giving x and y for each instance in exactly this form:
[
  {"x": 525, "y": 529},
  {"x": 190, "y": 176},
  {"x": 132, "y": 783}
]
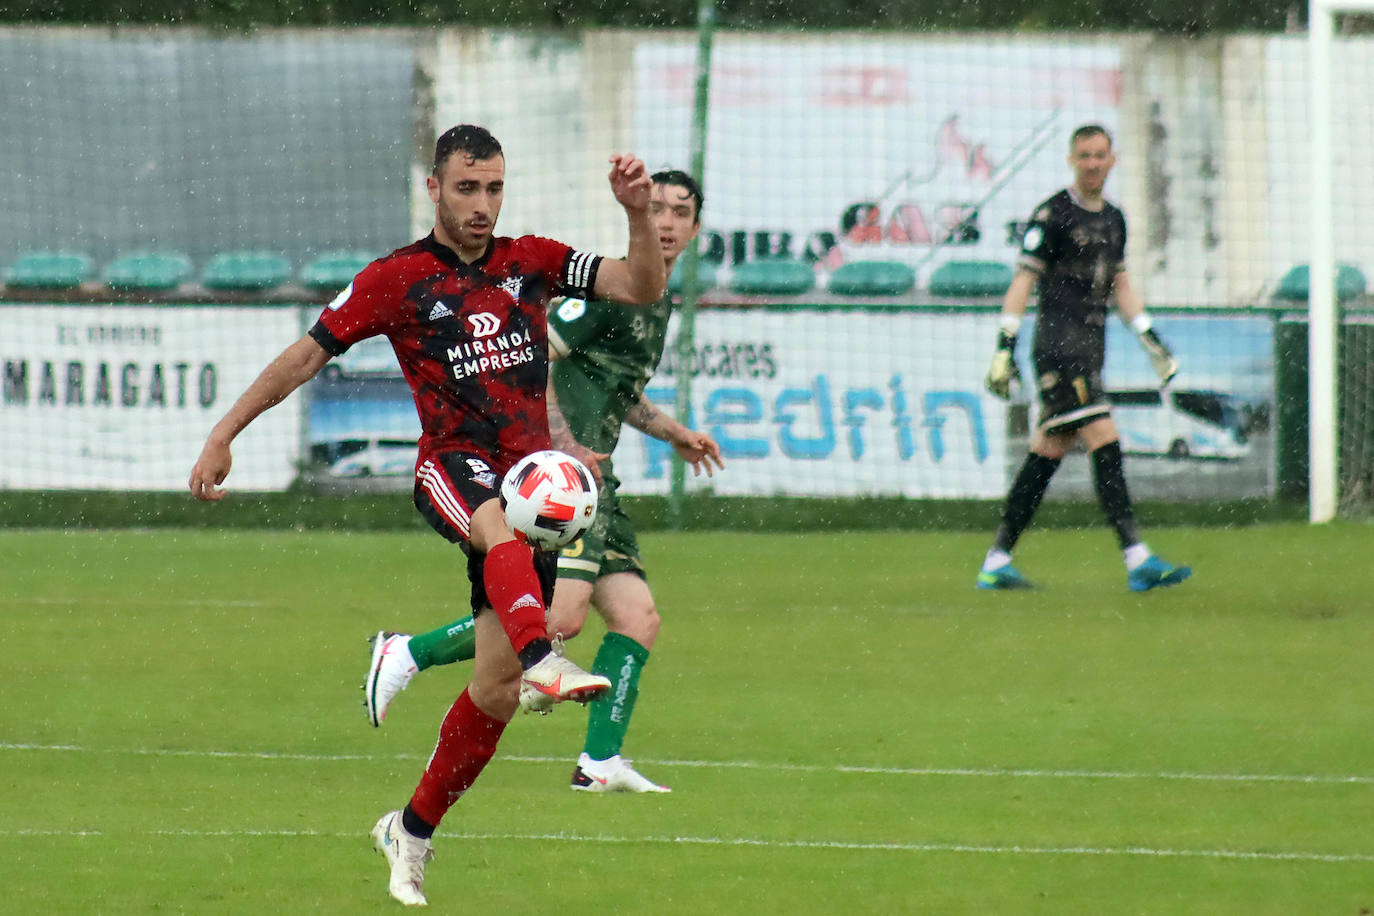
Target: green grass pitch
[{"x": 848, "y": 725}]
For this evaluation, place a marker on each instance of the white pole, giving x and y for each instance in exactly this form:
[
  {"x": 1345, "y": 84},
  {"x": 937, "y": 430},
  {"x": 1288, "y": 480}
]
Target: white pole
[{"x": 1321, "y": 314}]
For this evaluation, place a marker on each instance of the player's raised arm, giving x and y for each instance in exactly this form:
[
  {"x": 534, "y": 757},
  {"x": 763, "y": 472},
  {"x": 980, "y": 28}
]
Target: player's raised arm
[
  {"x": 295, "y": 366},
  {"x": 639, "y": 279}
]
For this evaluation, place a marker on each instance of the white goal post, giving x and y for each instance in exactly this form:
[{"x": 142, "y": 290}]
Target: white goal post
[{"x": 1323, "y": 435}]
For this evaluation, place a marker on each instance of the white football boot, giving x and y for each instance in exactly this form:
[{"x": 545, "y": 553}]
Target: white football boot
[
  {"x": 406, "y": 855},
  {"x": 612, "y": 775},
  {"x": 554, "y": 679},
  {"x": 531, "y": 700},
  {"x": 390, "y": 672}
]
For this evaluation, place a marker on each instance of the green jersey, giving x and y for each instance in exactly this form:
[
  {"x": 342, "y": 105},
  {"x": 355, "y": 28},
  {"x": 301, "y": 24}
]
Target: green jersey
[{"x": 606, "y": 355}]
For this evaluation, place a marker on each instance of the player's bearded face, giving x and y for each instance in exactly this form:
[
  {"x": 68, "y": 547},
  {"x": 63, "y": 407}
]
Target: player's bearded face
[
  {"x": 1092, "y": 159},
  {"x": 467, "y": 199}
]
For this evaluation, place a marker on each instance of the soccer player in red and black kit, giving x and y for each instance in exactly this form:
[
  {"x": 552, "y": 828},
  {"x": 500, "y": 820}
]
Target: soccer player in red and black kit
[
  {"x": 465, "y": 312},
  {"x": 1075, "y": 249}
]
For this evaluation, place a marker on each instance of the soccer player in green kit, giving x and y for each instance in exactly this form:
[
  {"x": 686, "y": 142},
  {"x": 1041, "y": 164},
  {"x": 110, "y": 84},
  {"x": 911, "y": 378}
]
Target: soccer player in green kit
[{"x": 604, "y": 356}]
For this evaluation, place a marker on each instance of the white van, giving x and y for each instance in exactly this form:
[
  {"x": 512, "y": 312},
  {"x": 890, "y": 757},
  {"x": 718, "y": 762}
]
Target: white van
[
  {"x": 1179, "y": 423},
  {"x": 371, "y": 357},
  {"x": 374, "y": 458}
]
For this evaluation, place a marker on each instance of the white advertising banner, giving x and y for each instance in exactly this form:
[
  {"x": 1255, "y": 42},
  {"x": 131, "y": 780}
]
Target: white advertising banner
[
  {"x": 121, "y": 398},
  {"x": 835, "y": 403},
  {"x": 915, "y": 149}
]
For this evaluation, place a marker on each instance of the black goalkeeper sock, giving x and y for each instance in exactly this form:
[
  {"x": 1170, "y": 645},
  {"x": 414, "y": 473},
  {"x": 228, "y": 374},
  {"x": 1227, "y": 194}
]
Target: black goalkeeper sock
[
  {"x": 1024, "y": 498},
  {"x": 1109, "y": 476}
]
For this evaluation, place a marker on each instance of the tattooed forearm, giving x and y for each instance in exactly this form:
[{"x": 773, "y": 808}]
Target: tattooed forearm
[
  {"x": 559, "y": 431},
  {"x": 648, "y": 419}
]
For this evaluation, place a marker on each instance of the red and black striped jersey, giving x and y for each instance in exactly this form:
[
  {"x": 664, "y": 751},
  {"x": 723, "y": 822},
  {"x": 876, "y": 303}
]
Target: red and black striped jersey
[{"x": 471, "y": 339}]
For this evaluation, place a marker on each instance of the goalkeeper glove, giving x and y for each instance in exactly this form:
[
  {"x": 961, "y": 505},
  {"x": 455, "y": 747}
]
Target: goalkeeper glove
[
  {"x": 1165, "y": 366},
  {"x": 1003, "y": 372}
]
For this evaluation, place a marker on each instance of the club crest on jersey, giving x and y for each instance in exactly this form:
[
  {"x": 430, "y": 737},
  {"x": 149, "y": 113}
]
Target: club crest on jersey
[
  {"x": 482, "y": 473},
  {"x": 337, "y": 302},
  {"x": 440, "y": 311},
  {"x": 484, "y": 324},
  {"x": 513, "y": 285},
  {"x": 572, "y": 309}
]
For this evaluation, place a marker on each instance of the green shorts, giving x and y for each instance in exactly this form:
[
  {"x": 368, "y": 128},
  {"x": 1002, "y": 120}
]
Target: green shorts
[{"x": 609, "y": 546}]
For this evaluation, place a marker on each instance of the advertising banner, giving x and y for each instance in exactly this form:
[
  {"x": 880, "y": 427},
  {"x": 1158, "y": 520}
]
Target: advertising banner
[
  {"x": 833, "y": 401},
  {"x": 121, "y": 398},
  {"x": 891, "y": 148},
  {"x": 803, "y": 402}
]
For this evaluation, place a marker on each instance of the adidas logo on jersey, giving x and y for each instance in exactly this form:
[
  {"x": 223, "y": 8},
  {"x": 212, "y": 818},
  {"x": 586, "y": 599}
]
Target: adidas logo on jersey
[{"x": 439, "y": 311}]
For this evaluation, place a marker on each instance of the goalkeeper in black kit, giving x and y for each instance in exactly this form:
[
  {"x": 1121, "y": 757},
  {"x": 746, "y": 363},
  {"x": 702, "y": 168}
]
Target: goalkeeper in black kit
[{"x": 1075, "y": 250}]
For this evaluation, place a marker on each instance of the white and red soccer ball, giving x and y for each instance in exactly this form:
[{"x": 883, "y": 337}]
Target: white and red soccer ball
[{"x": 549, "y": 498}]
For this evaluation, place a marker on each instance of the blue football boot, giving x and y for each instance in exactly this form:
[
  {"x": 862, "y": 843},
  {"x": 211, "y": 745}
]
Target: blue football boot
[
  {"x": 1003, "y": 577},
  {"x": 1155, "y": 573}
]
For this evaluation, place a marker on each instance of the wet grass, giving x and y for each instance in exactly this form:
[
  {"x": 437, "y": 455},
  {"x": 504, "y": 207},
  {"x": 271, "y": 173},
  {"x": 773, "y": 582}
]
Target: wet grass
[{"x": 848, "y": 726}]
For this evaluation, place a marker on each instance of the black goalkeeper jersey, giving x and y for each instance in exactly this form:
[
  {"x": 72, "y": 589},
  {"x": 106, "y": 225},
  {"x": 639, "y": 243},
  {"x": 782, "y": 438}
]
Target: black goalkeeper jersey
[{"x": 1077, "y": 254}]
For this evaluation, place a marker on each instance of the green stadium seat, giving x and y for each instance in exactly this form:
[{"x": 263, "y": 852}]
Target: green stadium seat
[
  {"x": 246, "y": 271},
  {"x": 147, "y": 270},
  {"x": 706, "y": 277},
  {"x": 872, "y": 278},
  {"x": 773, "y": 277},
  {"x": 50, "y": 270},
  {"x": 334, "y": 270},
  {"x": 1350, "y": 282},
  {"x": 970, "y": 278}
]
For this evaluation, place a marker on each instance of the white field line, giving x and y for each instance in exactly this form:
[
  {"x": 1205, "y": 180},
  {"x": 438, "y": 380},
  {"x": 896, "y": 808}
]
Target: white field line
[
  {"x": 142, "y": 601},
  {"x": 954, "y": 772},
  {"x": 756, "y": 843}
]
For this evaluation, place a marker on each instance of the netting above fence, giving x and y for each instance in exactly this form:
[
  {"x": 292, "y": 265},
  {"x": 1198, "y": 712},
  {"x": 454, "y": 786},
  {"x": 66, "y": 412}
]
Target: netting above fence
[
  {"x": 841, "y": 170},
  {"x": 293, "y": 143}
]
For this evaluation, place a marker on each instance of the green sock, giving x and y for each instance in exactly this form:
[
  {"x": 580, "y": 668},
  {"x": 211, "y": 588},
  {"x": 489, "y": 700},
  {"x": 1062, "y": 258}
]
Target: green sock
[
  {"x": 621, "y": 659},
  {"x": 456, "y": 642}
]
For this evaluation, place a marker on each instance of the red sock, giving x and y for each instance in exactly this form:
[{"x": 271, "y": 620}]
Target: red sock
[
  {"x": 467, "y": 739},
  {"x": 513, "y": 589}
]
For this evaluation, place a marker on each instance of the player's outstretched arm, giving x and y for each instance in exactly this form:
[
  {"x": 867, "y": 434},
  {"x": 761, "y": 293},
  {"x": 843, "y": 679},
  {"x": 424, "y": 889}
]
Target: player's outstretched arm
[
  {"x": 640, "y": 278},
  {"x": 1131, "y": 309},
  {"x": 295, "y": 366},
  {"x": 696, "y": 448}
]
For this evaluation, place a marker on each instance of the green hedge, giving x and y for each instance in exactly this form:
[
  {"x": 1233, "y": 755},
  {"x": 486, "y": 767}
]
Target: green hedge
[
  {"x": 385, "y": 512},
  {"x": 1187, "y": 17}
]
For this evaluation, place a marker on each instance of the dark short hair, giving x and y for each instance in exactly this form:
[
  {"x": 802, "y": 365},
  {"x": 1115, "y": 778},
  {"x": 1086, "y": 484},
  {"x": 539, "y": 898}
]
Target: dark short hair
[
  {"x": 683, "y": 180},
  {"x": 1089, "y": 130},
  {"x": 476, "y": 141}
]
